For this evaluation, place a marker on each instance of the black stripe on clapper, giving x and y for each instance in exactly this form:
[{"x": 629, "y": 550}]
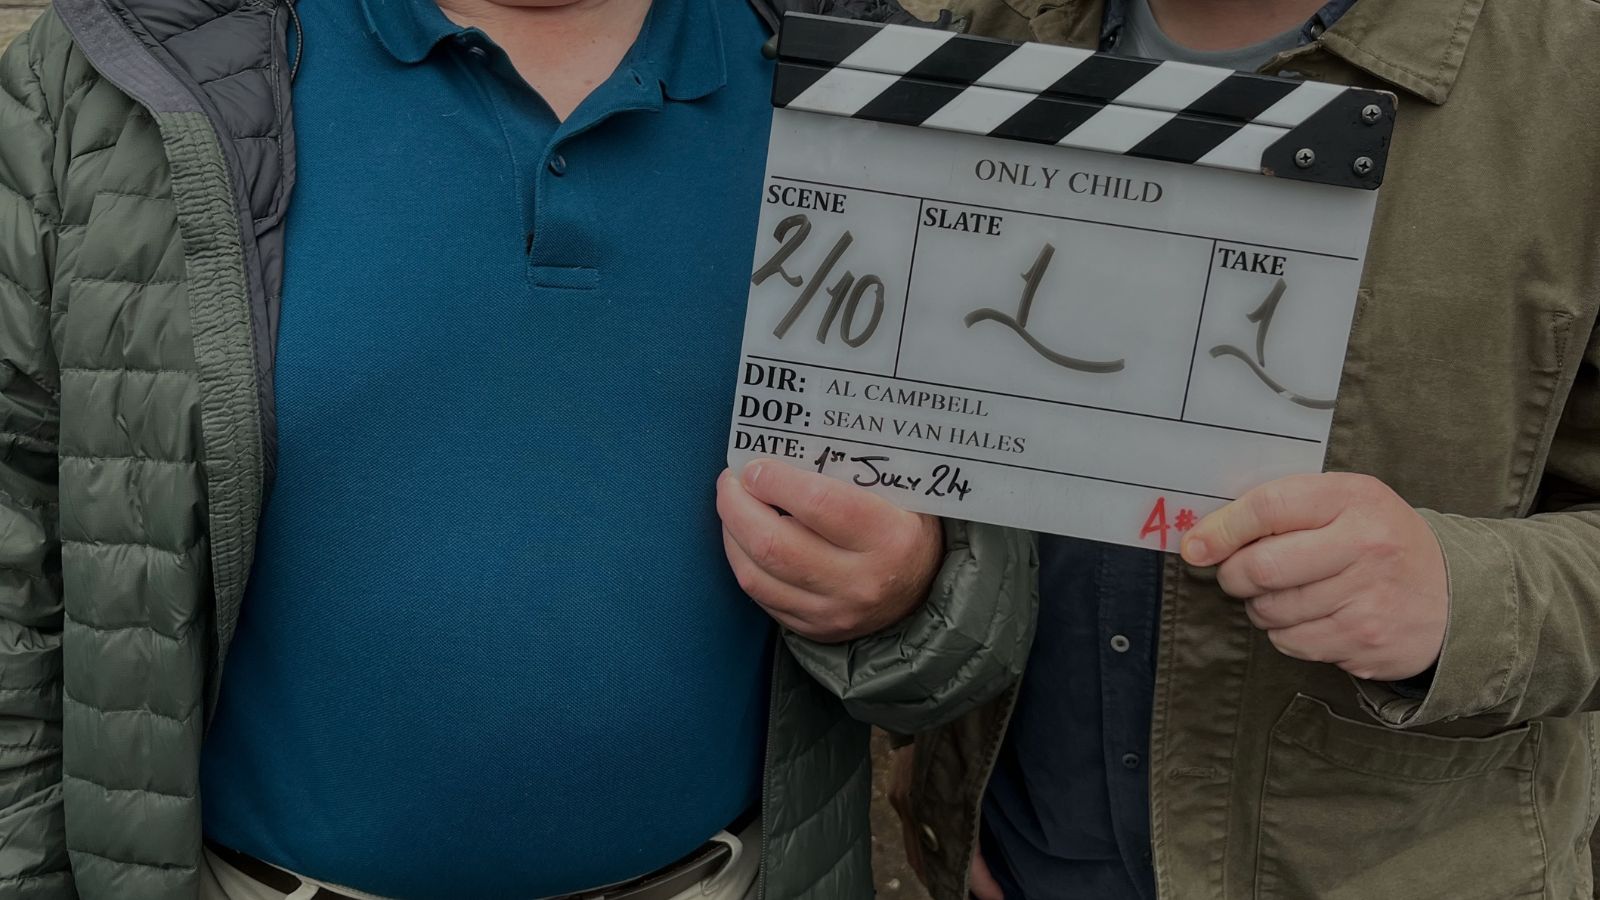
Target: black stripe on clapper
[
  {"x": 1046, "y": 120},
  {"x": 816, "y": 39},
  {"x": 1185, "y": 139},
  {"x": 909, "y": 102},
  {"x": 1241, "y": 97},
  {"x": 790, "y": 81},
  {"x": 962, "y": 59},
  {"x": 1102, "y": 77}
]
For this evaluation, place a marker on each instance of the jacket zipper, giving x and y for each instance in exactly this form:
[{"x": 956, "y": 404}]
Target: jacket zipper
[{"x": 766, "y": 772}]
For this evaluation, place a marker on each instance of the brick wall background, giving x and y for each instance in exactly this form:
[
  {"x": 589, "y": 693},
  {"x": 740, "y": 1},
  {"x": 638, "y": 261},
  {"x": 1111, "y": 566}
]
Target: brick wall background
[{"x": 895, "y": 881}]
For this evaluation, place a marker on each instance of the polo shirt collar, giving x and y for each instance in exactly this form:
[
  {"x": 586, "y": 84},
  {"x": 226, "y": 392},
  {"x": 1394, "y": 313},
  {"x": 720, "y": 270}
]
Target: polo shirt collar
[
  {"x": 409, "y": 29},
  {"x": 680, "y": 45}
]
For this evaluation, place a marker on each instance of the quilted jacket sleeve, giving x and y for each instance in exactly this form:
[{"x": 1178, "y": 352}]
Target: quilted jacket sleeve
[
  {"x": 33, "y": 854},
  {"x": 962, "y": 648}
]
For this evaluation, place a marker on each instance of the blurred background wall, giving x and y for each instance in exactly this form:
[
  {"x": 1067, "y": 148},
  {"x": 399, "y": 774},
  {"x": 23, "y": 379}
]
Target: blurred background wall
[{"x": 14, "y": 17}]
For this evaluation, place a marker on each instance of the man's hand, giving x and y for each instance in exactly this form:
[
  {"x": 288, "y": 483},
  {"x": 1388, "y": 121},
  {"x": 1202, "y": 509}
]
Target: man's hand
[
  {"x": 982, "y": 884},
  {"x": 1336, "y": 568},
  {"x": 843, "y": 564}
]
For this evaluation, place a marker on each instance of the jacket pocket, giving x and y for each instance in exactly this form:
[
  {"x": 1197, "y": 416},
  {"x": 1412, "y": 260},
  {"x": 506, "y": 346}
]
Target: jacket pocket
[{"x": 1352, "y": 811}]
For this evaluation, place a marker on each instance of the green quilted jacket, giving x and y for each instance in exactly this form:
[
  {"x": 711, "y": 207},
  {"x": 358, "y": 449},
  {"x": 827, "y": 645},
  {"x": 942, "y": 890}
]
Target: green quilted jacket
[{"x": 146, "y": 162}]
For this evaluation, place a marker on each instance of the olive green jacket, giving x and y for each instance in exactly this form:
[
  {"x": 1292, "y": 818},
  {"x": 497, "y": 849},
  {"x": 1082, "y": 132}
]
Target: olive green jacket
[
  {"x": 1472, "y": 387},
  {"x": 146, "y": 162}
]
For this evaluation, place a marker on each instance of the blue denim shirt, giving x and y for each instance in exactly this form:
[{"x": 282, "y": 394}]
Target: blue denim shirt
[{"x": 1067, "y": 814}]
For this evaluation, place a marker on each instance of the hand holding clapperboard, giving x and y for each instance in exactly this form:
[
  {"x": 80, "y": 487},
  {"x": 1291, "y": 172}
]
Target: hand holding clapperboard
[{"x": 1040, "y": 287}]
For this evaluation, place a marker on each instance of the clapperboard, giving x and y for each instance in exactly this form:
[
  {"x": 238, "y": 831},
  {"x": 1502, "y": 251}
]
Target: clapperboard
[{"x": 1049, "y": 288}]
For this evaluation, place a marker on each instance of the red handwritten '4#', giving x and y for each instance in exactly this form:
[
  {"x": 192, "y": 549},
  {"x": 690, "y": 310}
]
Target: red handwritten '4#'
[{"x": 1156, "y": 522}]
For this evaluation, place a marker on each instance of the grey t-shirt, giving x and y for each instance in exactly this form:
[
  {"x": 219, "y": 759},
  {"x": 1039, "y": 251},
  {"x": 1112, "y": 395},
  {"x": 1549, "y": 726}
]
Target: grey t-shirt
[{"x": 1142, "y": 36}]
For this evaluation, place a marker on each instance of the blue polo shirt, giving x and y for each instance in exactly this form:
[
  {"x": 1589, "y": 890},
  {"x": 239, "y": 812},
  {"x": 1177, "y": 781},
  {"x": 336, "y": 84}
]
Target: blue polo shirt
[{"x": 491, "y": 647}]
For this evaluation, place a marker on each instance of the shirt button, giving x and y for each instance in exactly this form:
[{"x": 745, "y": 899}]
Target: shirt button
[
  {"x": 558, "y": 165},
  {"x": 1130, "y": 760},
  {"x": 930, "y": 838},
  {"x": 477, "y": 52},
  {"x": 1120, "y": 643}
]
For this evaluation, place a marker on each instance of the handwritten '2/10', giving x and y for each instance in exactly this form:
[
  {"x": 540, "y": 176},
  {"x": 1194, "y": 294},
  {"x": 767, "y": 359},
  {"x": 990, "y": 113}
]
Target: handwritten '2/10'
[
  {"x": 791, "y": 233},
  {"x": 847, "y": 294}
]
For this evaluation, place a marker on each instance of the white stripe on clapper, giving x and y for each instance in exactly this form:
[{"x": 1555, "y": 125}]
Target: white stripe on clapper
[
  {"x": 1244, "y": 148},
  {"x": 1300, "y": 104},
  {"x": 1034, "y": 67},
  {"x": 1173, "y": 86},
  {"x": 843, "y": 92},
  {"x": 1116, "y": 129},
  {"x": 978, "y": 110},
  {"x": 896, "y": 49},
  {"x": 870, "y": 69}
]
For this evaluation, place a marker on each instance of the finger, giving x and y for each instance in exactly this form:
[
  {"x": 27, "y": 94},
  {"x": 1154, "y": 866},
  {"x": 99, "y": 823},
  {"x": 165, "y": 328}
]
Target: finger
[
  {"x": 982, "y": 884},
  {"x": 844, "y": 514},
  {"x": 1284, "y": 561},
  {"x": 1297, "y": 605},
  {"x": 1322, "y": 640},
  {"x": 1296, "y": 503},
  {"x": 794, "y": 608},
  {"x": 779, "y": 545}
]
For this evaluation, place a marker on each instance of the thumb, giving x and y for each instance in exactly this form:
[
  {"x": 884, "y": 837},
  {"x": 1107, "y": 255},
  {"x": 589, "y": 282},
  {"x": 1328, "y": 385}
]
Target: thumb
[
  {"x": 1296, "y": 503},
  {"x": 843, "y": 514}
]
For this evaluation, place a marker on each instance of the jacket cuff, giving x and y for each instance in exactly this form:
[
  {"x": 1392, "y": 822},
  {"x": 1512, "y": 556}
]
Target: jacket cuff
[
  {"x": 960, "y": 649},
  {"x": 1481, "y": 641}
]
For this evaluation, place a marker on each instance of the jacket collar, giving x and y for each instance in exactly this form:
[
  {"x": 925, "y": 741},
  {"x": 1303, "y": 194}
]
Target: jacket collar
[
  {"x": 408, "y": 29},
  {"x": 680, "y": 44},
  {"x": 1415, "y": 45}
]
